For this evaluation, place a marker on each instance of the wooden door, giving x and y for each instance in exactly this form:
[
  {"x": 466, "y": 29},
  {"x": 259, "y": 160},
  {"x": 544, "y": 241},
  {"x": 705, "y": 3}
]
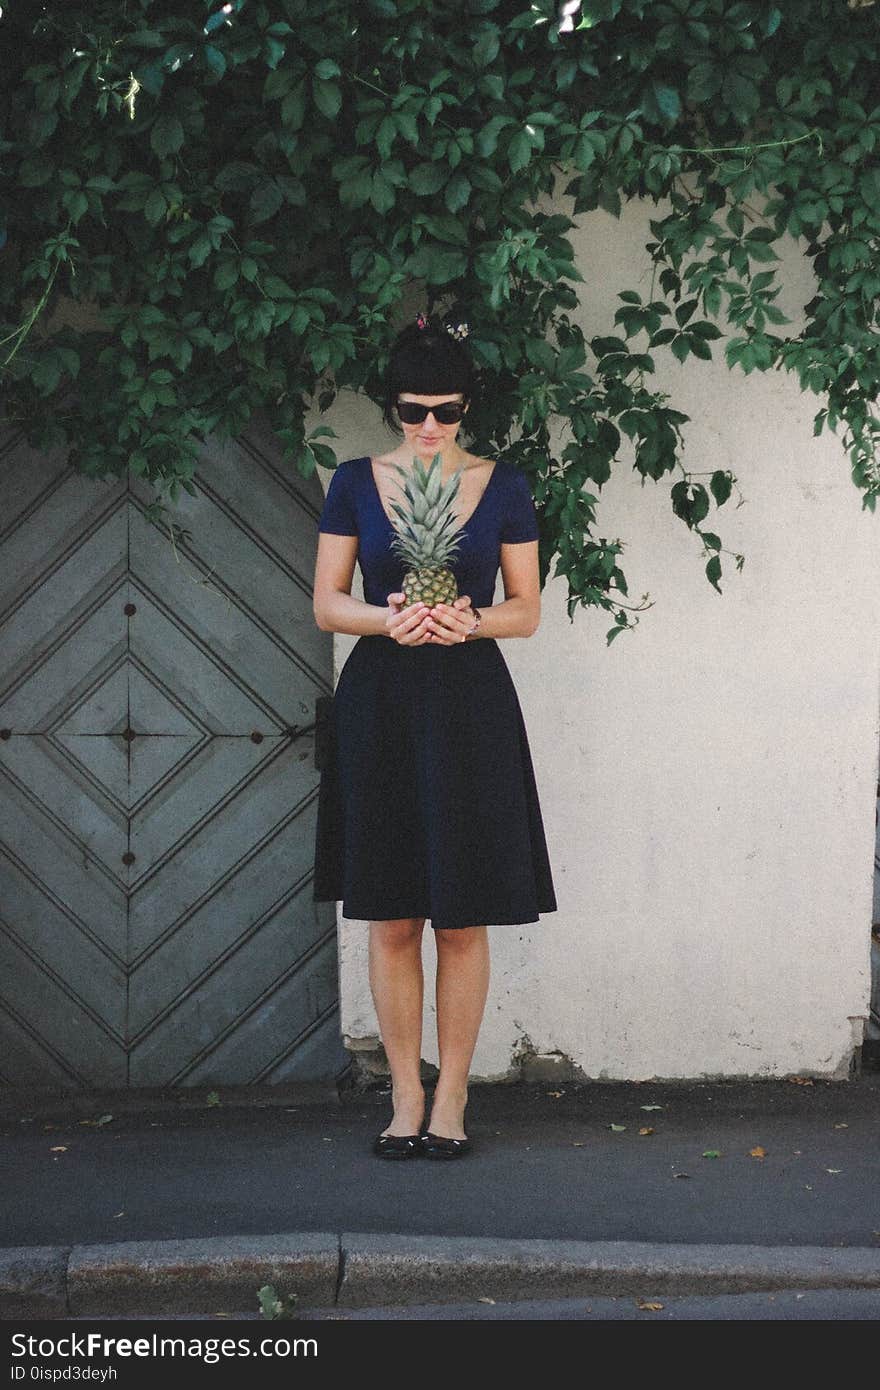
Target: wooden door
[{"x": 158, "y": 789}]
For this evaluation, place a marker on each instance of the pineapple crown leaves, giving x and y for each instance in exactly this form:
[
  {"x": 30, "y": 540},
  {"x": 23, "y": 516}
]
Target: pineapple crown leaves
[{"x": 426, "y": 532}]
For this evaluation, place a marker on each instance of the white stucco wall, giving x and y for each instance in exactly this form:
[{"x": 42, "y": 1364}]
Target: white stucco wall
[{"x": 708, "y": 782}]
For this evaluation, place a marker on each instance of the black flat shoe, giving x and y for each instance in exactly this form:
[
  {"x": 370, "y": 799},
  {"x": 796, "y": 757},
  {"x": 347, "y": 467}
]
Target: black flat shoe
[
  {"x": 438, "y": 1146},
  {"x": 397, "y": 1145}
]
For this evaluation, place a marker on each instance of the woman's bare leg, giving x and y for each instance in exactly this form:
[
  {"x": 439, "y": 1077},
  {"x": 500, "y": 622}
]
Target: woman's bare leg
[
  {"x": 397, "y": 983},
  {"x": 462, "y": 988}
]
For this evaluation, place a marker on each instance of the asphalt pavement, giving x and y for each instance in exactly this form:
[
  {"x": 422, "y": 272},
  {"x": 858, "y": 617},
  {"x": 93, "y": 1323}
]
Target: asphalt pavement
[{"x": 188, "y": 1202}]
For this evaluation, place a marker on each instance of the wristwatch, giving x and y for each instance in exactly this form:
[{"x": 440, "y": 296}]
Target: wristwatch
[{"x": 479, "y": 617}]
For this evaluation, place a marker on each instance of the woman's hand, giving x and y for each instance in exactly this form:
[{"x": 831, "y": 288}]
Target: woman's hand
[
  {"x": 450, "y": 623},
  {"x": 408, "y": 626}
]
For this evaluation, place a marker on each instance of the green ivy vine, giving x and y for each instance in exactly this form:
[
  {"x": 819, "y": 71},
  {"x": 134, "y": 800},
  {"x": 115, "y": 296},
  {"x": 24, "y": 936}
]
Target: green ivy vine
[{"x": 240, "y": 197}]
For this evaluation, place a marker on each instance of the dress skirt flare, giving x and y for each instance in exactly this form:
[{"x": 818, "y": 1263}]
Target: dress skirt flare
[{"x": 428, "y": 805}]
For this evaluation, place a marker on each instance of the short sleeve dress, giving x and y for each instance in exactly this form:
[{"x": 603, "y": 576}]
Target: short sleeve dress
[{"x": 428, "y": 805}]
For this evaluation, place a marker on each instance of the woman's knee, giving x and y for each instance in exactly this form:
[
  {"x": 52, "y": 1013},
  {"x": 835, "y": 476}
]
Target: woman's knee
[
  {"x": 398, "y": 933},
  {"x": 460, "y": 940}
]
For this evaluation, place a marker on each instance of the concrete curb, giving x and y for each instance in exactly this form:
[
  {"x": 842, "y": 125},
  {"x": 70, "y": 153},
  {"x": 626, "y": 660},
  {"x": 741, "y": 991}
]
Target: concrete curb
[
  {"x": 442, "y": 1269},
  {"x": 221, "y": 1274}
]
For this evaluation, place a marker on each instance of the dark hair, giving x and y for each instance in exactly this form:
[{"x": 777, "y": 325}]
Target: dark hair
[{"x": 427, "y": 362}]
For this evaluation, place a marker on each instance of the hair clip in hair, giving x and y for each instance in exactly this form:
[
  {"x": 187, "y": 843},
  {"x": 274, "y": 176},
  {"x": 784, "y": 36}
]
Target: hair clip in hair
[{"x": 458, "y": 331}]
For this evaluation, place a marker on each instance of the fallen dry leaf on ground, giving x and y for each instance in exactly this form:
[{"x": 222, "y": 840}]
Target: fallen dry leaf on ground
[
  {"x": 618, "y": 1129},
  {"x": 800, "y": 1080},
  {"x": 841, "y": 1126},
  {"x": 650, "y": 1107},
  {"x": 757, "y": 1152},
  {"x": 646, "y": 1129},
  {"x": 650, "y": 1307},
  {"x": 711, "y": 1153}
]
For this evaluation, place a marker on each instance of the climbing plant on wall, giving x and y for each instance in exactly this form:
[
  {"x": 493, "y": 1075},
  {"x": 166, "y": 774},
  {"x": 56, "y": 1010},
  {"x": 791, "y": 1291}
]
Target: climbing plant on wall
[{"x": 241, "y": 196}]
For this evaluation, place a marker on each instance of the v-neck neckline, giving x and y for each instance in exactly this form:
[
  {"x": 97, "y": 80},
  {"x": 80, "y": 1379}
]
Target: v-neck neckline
[{"x": 461, "y": 524}]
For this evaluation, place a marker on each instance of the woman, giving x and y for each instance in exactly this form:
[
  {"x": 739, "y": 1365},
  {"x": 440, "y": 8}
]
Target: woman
[{"x": 428, "y": 808}]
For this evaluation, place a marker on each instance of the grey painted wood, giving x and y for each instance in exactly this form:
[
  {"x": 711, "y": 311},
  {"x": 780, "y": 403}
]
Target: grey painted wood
[
  {"x": 872, "y": 1031},
  {"x": 158, "y": 789}
]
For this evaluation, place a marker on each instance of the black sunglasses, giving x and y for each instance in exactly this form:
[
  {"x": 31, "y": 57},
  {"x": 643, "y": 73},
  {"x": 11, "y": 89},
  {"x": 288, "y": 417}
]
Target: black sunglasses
[{"x": 449, "y": 413}]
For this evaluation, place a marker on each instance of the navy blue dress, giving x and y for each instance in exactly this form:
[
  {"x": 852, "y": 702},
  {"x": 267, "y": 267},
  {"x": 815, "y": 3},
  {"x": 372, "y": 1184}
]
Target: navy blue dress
[{"x": 428, "y": 805}]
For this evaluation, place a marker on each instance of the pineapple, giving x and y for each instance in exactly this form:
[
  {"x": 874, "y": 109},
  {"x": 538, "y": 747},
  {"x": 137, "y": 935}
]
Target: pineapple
[{"x": 426, "y": 534}]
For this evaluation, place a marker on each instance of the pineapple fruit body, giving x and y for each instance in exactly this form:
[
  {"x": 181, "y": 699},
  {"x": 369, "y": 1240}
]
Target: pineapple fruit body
[{"x": 432, "y": 584}]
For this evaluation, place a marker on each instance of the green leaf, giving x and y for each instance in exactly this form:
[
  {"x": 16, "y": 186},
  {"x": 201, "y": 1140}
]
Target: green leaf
[
  {"x": 721, "y": 486},
  {"x": 385, "y": 137},
  {"x": 46, "y": 374},
  {"x": 237, "y": 176},
  {"x": 265, "y": 200},
  {"x": 226, "y": 275},
  {"x": 277, "y": 288},
  {"x": 382, "y": 193},
  {"x": 585, "y": 151},
  {"x": 327, "y": 97},
  {"x": 540, "y": 354},
  {"x": 293, "y": 107},
  {"x": 741, "y": 95},
  {"x": 437, "y": 264},
  {"x": 166, "y": 136},
  {"x": 145, "y": 38},
  {"x": 155, "y": 207},
  {"x": 35, "y": 172},
  {"x": 274, "y": 50},
  {"x": 491, "y": 84},
  {"x": 76, "y": 203},
  {"x": 426, "y": 179},
  {"x": 485, "y": 178},
  {"x": 705, "y": 329},
  {"x": 869, "y": 188},
  {"x": 519, "y": 151},
  {"x": 215, "y": 59},
  {"x": 668, "y": 101},
  {"x": 703, "y": 81},
  {"x": 487, "y": 140},
  {"x": 326, "y": 69},
  {"x": 699, "y": 347},
  {"x": 485, "y": 50},
  {"x": 277, "y": 84},
  {"x": 458, "y": 191}
]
